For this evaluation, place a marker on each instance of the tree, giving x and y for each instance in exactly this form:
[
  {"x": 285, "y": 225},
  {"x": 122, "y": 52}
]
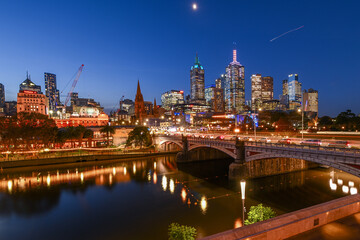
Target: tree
[
  {"x": 109, "y": 130},
  {"x": 140, "y": 136},
  {"x": 79, "y": 132},
  {"x": 89, "y": 134},
  {"x": 325, "y": 122},
  {"x": 181, "y": 232},
  {"x": 259, "y": 213},
  {"x": 71, "y": 134},
  {"x": 61, "y": 137}
]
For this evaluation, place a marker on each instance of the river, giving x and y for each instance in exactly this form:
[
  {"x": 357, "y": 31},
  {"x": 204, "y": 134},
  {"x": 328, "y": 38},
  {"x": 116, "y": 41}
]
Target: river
[{"x": 139, "y": 199}]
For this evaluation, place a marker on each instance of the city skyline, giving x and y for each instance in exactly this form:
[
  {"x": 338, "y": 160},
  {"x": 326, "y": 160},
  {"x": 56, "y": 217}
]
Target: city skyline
[{"x": 118, "y": 62}]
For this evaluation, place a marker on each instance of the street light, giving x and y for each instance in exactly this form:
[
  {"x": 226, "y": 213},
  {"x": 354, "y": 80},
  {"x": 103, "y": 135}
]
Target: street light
[
  {"x": 302, "y": 121},
  {"x": 255, "y": 122},
  {"x": 242, "y": 186}
]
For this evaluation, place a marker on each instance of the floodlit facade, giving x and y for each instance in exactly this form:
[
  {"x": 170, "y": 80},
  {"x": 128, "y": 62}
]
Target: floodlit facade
[
  {"x": 234, "y": 88},
  {"x": 311, "y": 100},
  {"x": 31, "y": 101},
  {"x": 51, "y": 91},
  {"x": 171, "y": 98},
  {"x": 197, "y": 82}
]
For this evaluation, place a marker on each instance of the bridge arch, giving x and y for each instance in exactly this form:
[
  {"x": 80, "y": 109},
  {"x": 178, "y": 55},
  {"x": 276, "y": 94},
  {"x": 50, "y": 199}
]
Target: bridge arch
[
  {"x": 223, "y": 150},
  {"x": 317, "y": 159},
  {"x": 174, "y": 142}
]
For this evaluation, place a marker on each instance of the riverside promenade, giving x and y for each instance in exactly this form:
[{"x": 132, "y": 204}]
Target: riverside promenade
[
  {"x": 294, "y": 223},
  {"x": 75, "y": 156}
]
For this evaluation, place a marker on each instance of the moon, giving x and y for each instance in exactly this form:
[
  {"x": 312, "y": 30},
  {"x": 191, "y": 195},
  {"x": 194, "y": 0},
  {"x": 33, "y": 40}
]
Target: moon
[{"x": 194, "y": 6}]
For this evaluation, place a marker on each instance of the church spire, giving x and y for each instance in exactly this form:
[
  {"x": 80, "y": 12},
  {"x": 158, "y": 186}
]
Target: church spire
[{"x": 138, "y": 91}]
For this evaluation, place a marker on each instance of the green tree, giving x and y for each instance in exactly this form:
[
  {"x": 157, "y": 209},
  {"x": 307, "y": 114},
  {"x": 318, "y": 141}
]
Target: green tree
[
  {"x": 181, "y": 232},
  {"x": 140, "y": 136},
  {"x": 108, "y": 130},
  {"x": 259, "y": 213}
]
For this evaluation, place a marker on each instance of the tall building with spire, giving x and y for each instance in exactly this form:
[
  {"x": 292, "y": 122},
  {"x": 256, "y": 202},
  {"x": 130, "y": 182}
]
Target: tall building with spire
[
  {"x": 140, "y": 112},
  {"x": 51, "y": 91},
  {"x": 235, "y": 86},
  {"x": 28, "y": 85},
  {"x": 197, "y": 83}
]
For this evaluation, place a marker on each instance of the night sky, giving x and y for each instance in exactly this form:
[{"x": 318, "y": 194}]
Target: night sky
[{"x": 156, "y": 41}]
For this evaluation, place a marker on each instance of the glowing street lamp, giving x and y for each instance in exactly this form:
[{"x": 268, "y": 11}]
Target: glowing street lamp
[{"x": 242, "y": 186}]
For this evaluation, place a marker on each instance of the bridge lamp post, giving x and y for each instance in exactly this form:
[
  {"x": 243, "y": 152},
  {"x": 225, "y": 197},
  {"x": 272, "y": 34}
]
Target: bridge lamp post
[
  {"x": 242, "y": 186},
  {"x": 237, "y": 130},
  {"x": 254, "y": 120},
  {"x": 302, "y": 121}
]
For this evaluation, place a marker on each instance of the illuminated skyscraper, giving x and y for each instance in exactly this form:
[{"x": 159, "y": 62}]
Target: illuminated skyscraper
[
  {"x": 311, "y": 101},
  {"x": 197, "y": 83},
  {"x": 235, "y": 86},
  {"x": 51, "y": 91},
  {"x": 215, "y": 98},
  {"x": 267, "y": 88},
  {"x": 2, "y": 95},
  {"x": 294, "y": 88},
  {"x": 170, "y": 98},
  {"x": 256, "y": 100},
  {"x": 28, "y": 85}
]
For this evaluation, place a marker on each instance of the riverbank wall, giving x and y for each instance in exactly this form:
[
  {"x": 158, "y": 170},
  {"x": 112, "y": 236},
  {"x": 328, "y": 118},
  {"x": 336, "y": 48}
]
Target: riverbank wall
[
  {"x": 291, "y": 224},
  {"x": 78, "y": 159}
]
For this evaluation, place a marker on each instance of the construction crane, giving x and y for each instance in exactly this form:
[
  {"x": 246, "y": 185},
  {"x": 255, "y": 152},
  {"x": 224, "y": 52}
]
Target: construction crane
[
  {"x": 121, "y": 102},
  {"x": 74, "y": 84}
]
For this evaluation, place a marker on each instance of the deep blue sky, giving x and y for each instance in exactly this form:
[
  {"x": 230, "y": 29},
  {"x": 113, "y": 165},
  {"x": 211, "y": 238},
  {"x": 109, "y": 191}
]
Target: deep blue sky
[{"x": 156, "y": 41}]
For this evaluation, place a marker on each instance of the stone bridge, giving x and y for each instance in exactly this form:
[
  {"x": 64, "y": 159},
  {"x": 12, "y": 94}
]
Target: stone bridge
[{"x": 347, "y": 160}]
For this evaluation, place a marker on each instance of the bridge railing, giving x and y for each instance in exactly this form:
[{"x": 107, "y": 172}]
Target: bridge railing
[
  {"x": 209, "y": 141},
  {"x": 347, "y": 151}
]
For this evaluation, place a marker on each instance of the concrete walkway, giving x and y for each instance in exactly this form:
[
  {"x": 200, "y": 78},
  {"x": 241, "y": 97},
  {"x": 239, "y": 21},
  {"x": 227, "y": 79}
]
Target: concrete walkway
[{"x": 347, "y": 228}]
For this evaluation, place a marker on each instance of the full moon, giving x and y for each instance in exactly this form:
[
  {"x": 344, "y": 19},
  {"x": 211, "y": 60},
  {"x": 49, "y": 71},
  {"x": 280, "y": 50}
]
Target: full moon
[{"x": 194, "y": 6}]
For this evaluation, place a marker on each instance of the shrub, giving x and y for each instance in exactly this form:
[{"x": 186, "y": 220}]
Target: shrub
[
  {"x": 181, "y": 232},
  {"x": 259, "y": 213}
]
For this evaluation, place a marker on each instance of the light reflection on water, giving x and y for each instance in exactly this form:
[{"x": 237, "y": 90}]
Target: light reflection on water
[{"x": 190, "y": 196}]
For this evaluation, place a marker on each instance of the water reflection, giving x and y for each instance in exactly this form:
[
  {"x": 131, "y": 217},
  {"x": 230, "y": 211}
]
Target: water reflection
[
  {"x": 237, "y": 223},
  {"x": 155, "y": 178},
  {"x": 183, "y": 195},
  {"x": 203, "y": 205},
  {"x": 164, "y": 183},
  {"x": 172, "y": 186},
  {"x": 48, "y": 180},
  {"x": 333, "y": 186},
  {"x": 346, "y": 189},
  {"x": 9, "y": 185},
  {"x": 351, "y": 183}
]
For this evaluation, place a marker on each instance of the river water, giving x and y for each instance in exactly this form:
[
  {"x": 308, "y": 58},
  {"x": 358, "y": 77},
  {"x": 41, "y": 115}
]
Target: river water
[{"x": 139, "y": 199}]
